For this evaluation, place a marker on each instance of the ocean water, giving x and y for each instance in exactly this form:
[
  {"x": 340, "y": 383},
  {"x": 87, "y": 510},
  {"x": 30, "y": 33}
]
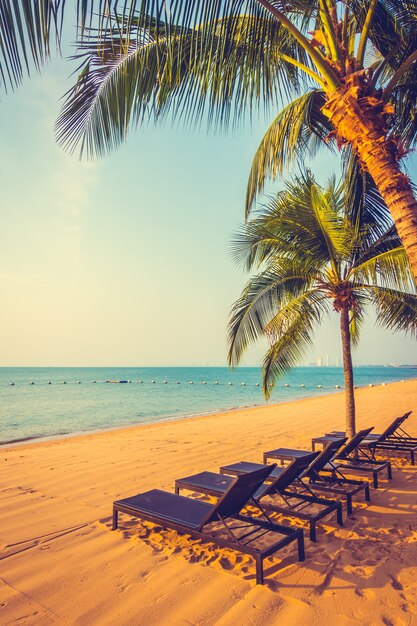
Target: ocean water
[{"x": 49, "y": 402}]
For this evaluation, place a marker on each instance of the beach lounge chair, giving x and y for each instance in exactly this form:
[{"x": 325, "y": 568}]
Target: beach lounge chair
[
  {"x": 221, "y": 523},
  {"x": 354, "y": 459},
  {"x": 336, "y": 483},
  {"x": 391, "y": 441},
  {"x": 300, "y": 503},
  {"x": 394, "y": 430}
]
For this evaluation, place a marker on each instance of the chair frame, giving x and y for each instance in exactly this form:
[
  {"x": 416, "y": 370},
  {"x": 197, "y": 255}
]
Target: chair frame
[
  {"x": 355, "y": 463},
  {"x": 305, "y": 497},
  {"x": 253, "y": 528}
]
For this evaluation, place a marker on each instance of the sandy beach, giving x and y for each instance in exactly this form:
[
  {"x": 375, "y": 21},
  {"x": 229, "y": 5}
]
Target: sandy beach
[{"x": 61, "y": 564}]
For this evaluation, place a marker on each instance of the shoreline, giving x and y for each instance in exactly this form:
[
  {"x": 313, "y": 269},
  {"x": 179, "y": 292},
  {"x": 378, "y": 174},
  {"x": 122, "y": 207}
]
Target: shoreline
[{"x": 36, "y": 439}]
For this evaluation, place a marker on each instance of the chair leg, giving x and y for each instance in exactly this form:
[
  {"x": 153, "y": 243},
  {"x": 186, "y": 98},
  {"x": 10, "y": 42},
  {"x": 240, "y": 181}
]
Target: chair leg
[
  {"x": 339, "y": 513},
  {"x": 301, "y": 553},
  {"x": 389, "y": 469},
  {"x": 313, "y": 535},
  {"x": 114, "y": 526},
  {"x": 349, "y": 503},
  {"x": 367, "y": 493},
  {"x": 375, "y": 475},
  {"x": 412, "y": 457},
  {"x": 259, "y": 571},
  {"x": 177, "y": 490}
]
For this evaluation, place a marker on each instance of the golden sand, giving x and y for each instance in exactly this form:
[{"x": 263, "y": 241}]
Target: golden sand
[{"x": 60, "y": 564}]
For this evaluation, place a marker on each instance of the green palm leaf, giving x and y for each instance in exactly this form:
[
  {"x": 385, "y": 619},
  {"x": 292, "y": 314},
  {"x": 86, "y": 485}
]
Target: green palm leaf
[
  {"x": 297, "y": 132},
  {"x": 262, "y": 297},
  {"x": 291, "y": 332},
  {"x": 389, "y": 268},
  {"x": 187, "y": 68},
  {"x": 26, "y": 30},
  {"x": 395, "y": 309}
]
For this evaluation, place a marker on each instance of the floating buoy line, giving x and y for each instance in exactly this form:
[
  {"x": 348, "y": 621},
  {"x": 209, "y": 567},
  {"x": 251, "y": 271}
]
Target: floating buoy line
[{"x": 177, "y": 382}]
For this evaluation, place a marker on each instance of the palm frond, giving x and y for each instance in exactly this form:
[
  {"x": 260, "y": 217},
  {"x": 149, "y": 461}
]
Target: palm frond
[
  {"x": 357, "y": 318},
  {"x": 260, "y": 299},
  {"x": 27, "y": 29},
  {"x": 395, "y": 309},
  {"x": 213, "y": 59},
  {"x": 303, "y": 221},
  {"x": 297, "y": 322},
  {"x": 364, "y": 206},
  {"x": 404, "y": 99},
  {"x": 297, "y": 132},
  {"x": 389, "y": 268},
  {"x": 334, "y": 230}
]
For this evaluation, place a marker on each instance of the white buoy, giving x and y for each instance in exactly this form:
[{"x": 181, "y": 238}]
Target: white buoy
[
  {"x": 152, "y": 381},
  {"x": 383, "y": 384},
  {"x": 79, "y": 382},
  {"x": 64, "y": 382},
  {"x": 318, "y": 387},
  {"x": 257, "y": 384},
  {"x": 286, "y": 385},
  {"x": 355, "y": 387},
  {"x": 204, "y": 382},
  {"x": 216, "y": 382},
  {"x": 94, "y": 381},
  {"x": 178, "y": 382},
  {"x": 12, "y": 383},
  {"x": 337, "y": 386},
  {"x": 302, "y": 385},
  {"x": 243, "y": 384},
  {"x": 402, "y": 381},
  {"x": 139, "y": 381},
  {"x": 230, "y": 384},
  {"x": 32, "y": 383},
  {"x": 165, "y": 382},
  {"x": 190, "y": 382},
  {"x": 370, "y": 385}
]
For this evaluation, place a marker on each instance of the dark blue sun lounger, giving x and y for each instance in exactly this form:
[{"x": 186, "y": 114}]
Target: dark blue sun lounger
[
  {"x": 354, "y": 458},
  {"x": 312, "y": 474},
  {"x": 275, "y": 494},
  {"x": 336, "y": 483},
  {"x": 394, "y": 439},
  {"x": 221, "y": 523}
]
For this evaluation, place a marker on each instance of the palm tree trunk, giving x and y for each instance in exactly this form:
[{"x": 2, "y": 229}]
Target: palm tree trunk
[
  {"x": 348, "y": 372},
  {"x": 360, "y": 122}
]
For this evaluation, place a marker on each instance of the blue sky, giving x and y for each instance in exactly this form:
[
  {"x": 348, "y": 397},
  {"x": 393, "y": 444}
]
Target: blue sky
[{"x": 127, "y": 261}]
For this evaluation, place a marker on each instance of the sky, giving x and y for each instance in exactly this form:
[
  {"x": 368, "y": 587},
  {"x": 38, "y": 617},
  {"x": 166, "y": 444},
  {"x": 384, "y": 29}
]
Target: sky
[{"x": 126, "y": 261}]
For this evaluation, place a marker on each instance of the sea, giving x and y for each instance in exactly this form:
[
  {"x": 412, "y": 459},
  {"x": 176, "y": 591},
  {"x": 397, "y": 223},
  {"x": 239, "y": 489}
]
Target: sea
[{"x": 55, "y": 401}]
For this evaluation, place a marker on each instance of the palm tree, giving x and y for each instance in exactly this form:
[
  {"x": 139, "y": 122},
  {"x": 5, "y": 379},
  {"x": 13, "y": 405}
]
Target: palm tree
[
  {"x": 348, "y": 67},
  {"x": 310, "y": 258}
]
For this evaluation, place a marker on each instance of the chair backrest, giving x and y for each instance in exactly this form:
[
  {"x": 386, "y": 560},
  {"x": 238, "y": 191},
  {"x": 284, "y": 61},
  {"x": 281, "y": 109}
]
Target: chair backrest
[
  {"x": 288, "y": 476},
  {"x": 237, "y": 495},
  {"x": 353, "y": 443},
  {"x": 390, "y": 430},
  {"x": 400, "y": 421},
  {"x": 324, "y": 457}
]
